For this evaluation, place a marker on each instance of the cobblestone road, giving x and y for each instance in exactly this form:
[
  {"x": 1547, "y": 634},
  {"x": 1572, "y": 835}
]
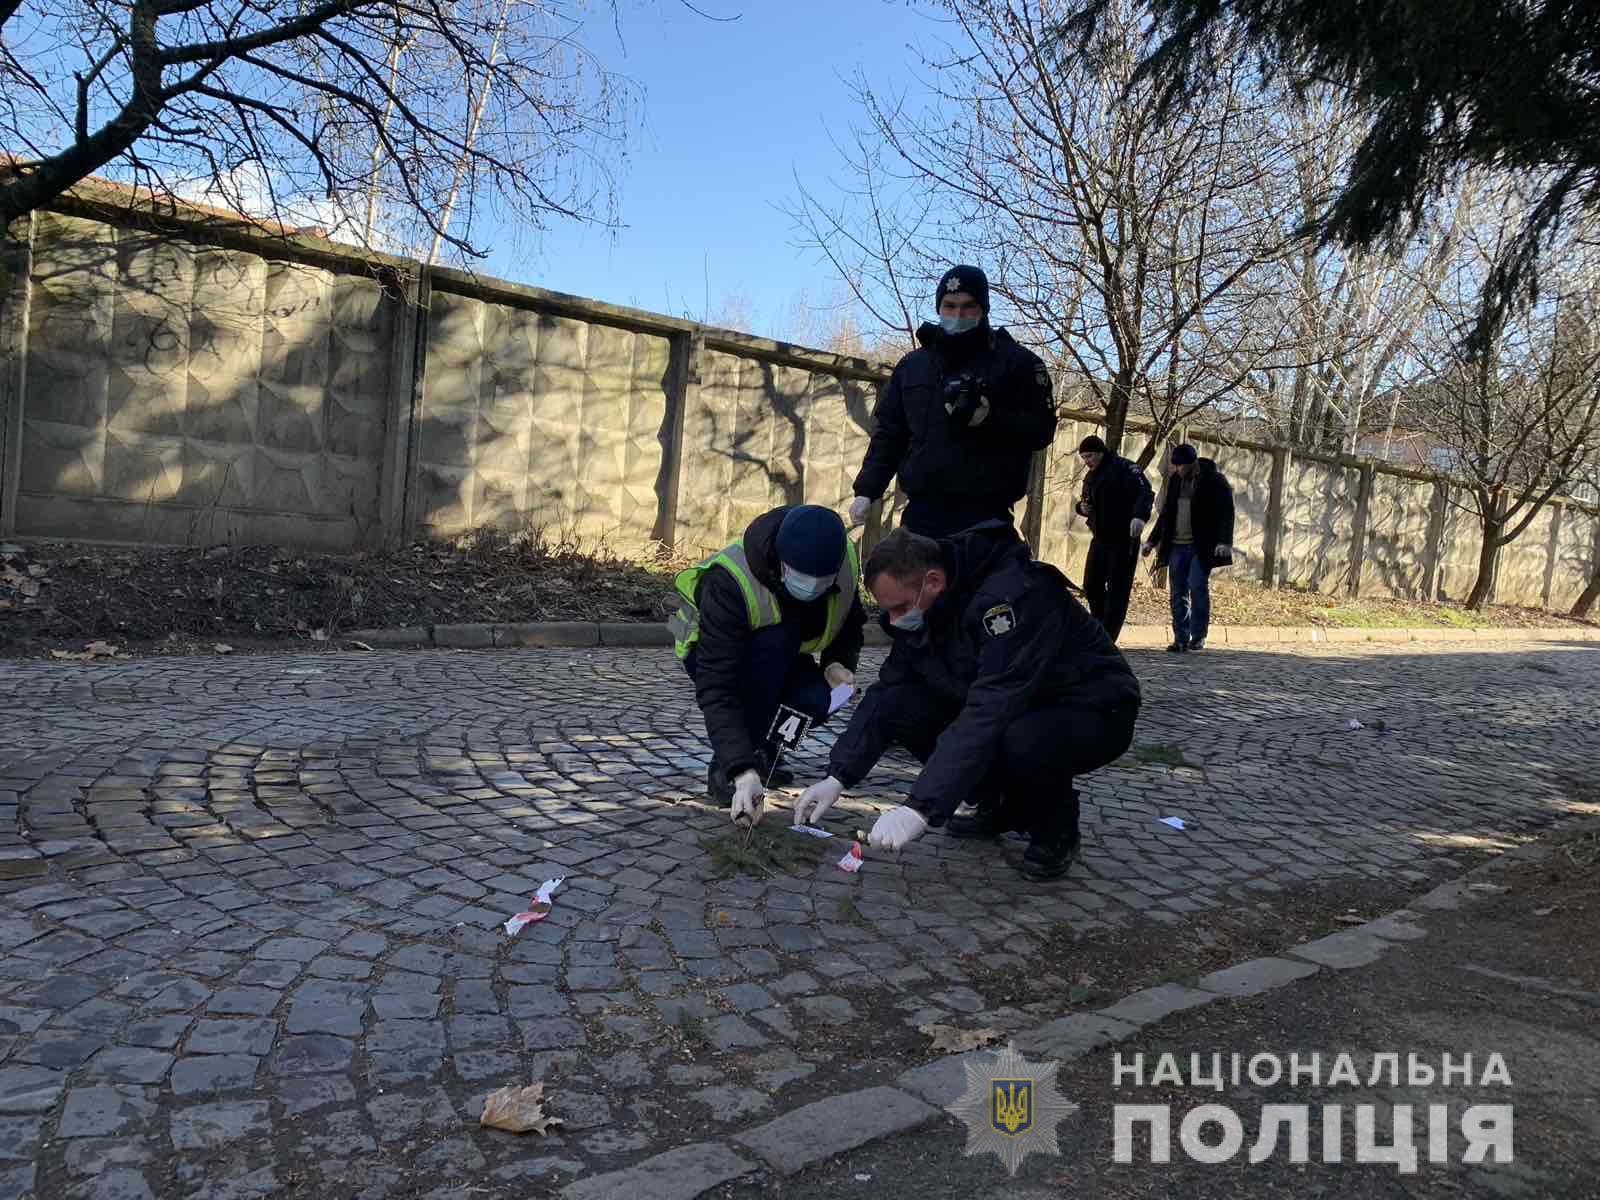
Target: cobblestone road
[{"x": 249, "y": 936}]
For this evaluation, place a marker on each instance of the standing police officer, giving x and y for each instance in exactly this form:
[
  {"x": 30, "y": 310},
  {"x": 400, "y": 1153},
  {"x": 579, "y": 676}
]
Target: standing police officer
[
  {"x": 999, "y": 681},
  {"x": 1116, "y": 502},
  {"x": 960, "y": 419},
  {"x": 749, "y": 621}
]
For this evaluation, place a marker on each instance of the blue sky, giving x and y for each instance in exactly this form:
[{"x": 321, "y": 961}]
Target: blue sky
[{"x": 731, "y": 111}]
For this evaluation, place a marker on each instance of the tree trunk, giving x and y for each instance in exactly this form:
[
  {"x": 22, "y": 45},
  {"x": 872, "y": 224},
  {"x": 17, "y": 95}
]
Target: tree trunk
[
  {"x": 1590, "y": 595},
  {"x": 1488, "y": 567},
  {"x": 1117, "y": 414}
]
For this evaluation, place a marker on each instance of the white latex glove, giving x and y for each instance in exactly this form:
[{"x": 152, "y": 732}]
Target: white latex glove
[
  {"x": 859, "y": 508},
  {"x": 1136, "y": 527},
  {"x": 747, "y": 793},
  {"x": 837, "y": 674},
  {"x": 898, "y": 827},
  {"x": 816, "y": 800}
]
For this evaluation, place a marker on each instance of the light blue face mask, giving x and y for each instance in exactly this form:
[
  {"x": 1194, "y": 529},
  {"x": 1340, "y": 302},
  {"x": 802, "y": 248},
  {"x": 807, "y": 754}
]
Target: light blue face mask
[
  {"x": 804, "y": 587},
  {"x": 958, "y": 325},
  {"x": 914, "y": 618}
]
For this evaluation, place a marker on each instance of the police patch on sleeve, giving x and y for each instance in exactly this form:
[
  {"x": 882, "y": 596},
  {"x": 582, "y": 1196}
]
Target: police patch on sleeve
[{"x": 1000, "y": 620}]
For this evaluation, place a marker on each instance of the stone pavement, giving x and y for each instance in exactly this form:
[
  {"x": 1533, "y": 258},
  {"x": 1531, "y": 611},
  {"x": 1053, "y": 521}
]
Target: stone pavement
[{"x": 249, "y": 940}]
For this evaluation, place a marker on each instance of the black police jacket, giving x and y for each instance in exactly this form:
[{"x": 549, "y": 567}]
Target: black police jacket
[
  {"x": 1114, "y": 494},
  {"x": 1005, "y": 637},
  {"x": 725, "y": 628},
  {"x": 914, "y": 438}
]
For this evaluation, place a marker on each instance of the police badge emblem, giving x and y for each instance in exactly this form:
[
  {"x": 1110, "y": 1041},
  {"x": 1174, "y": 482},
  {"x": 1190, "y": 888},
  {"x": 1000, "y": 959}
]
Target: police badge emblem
[{"x": 1000, "y": 620}]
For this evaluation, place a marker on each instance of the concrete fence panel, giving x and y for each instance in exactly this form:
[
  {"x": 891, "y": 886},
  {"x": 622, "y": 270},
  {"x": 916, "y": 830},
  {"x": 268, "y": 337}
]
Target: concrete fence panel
[
  {"x": 1576, "y": 547},
  {"x": 1319, "y": 505},
  {"x": 1458, "y": 553},
  {"x": 1397, "y": 538},
  {"x": 1521, "y": 575}
]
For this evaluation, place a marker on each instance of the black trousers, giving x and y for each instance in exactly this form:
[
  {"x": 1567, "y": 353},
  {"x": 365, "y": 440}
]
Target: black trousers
[
  {"x": 1040, "y": 755},
  {"x": 1108, "y": 580},
  {"x": 772, "y": 671},
  {"x": 941, "y": 516}
]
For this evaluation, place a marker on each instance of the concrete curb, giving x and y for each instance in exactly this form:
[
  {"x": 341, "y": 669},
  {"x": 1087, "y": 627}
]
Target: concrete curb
[
  {"x": 482, "y": 636},
  {"x": 820, "y": 1129}
]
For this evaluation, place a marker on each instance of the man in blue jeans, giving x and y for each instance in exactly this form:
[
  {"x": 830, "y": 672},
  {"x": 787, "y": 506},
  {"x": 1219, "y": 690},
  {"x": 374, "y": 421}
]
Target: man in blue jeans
[{"x": 1194, "y": 535}]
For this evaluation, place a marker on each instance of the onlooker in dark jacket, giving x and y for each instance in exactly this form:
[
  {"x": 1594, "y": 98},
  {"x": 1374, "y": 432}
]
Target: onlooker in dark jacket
[
  {"x": 750, "y": 619},
  {"x": 1116, "y": 503},
  {"x": 960, "y": 418},
  {"x": 1194, "y": 535},
  {"x": 999, "y": 681}
]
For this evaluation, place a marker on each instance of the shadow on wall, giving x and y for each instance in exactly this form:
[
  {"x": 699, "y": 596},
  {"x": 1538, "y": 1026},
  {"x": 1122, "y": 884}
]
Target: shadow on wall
[{"x": 189, "y": 394}]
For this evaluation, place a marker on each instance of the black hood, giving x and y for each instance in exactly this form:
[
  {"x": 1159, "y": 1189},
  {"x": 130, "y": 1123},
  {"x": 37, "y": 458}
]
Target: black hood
[{"x": 761, "y": 548}]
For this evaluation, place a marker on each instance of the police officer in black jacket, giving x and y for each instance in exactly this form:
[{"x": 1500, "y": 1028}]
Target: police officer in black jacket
[
  {"x": 774, "y": 618},
  {"x": 960, "y": 419},
  {"x": 1116, "y": 502},
  {"x": 999, "y": 681}
]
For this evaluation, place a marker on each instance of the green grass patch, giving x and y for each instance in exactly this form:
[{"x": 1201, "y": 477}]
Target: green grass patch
[
  {"x": 771, "y": 851},
  {"x": 1159, "y": 754},
  {"x": 851, "y": 915},
  {"x": 693, "y": 1031}
]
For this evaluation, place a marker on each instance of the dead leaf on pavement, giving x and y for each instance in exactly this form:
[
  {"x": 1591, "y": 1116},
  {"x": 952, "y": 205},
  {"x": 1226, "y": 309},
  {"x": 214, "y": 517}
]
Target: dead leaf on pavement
[
  {"x": 92, "y": 650},
  {"x": 361, "y": 646},
  {"x": 947, "y": 1039},
  {"x": 223, "y": 648},
  {"x": 517, "y": 1110}
]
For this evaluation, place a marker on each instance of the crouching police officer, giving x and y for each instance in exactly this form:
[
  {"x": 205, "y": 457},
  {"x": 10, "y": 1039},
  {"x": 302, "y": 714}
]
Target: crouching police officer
[
  {"x": 750, "y": 619},
  {"x": 999, "y": 681}
]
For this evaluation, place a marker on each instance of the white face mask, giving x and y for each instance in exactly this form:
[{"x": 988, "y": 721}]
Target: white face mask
[
  {"x": 914, "y": 618},
  {"x": 958, "y": 325},
  {"x": 805, "y": 587}
]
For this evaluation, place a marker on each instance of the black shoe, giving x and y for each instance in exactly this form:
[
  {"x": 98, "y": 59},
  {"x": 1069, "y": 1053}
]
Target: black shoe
[
  {"x": 1197, "y": 645},
  {"x": 718, "y": 786},
  {"x": 1178, "y": 648},
  {"x": 981, "y": 822},
  {"x": 1049, "y": 858}
]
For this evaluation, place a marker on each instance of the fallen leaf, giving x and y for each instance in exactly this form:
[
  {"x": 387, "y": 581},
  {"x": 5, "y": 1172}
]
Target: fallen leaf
[
  {"x": 361, "y": 646},
  {"x": 947, "y": 1039},
  {"x": 105, "y": 648},
  {"x": 223, "y": 648},
  {"x": 1543, "y": 912},
  {"x": 517, "y": 1110}
]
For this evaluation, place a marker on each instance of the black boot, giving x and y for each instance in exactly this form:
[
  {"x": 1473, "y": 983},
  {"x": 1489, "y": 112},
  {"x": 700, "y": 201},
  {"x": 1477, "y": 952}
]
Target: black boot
[
  {"x": 981, "y": 822},
  {"x": 1054, "y": 844}
]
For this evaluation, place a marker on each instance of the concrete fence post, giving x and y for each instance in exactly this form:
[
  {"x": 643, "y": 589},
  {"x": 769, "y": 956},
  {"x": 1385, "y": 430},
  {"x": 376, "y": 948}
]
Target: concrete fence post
[
  {"x": 1358, "y": 532},
  {"x": 1433, "y": 546},
  {"x": 396, "y": 478},
  {"x": 415, "y": 402},
  {"x": 688, "y": 352},
  {"x": 1033, "y": 516},
  {"x": 16, "y": 296},
  {"x": 1272, "y": 532}
]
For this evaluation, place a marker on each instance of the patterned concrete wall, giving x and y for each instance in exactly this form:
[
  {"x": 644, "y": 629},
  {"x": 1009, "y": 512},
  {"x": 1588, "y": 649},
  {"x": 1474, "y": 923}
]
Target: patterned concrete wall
[
  {"x": 1458, "y": 554},
  {"x": 533, "y": 420},
  {"x": 1319, "y": 510},
  {"x": 1523, "y": 563},
  {"x": 1575, "y": 557},
  {"x": 1398, "y": 519},
  {"x": 179, "y": 393},
  {"x": 758, "y": 434}
]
